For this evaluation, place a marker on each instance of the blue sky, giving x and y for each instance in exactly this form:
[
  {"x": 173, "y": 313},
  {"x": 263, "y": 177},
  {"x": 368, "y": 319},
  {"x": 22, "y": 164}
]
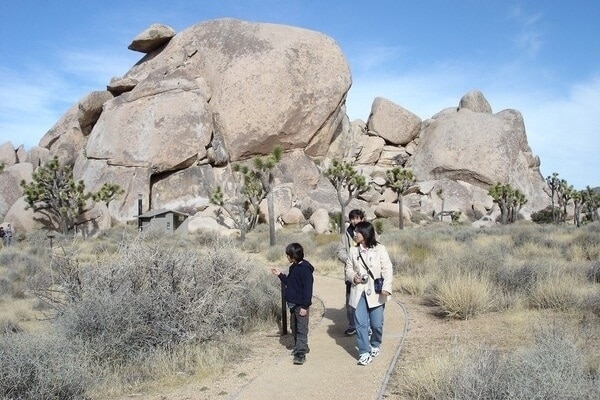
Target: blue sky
[{"x": 539, "y": 57}]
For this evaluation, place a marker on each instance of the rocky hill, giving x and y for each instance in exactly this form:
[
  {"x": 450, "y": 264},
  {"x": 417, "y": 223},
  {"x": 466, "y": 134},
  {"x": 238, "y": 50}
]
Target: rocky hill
[{"x": 226, "y": 90}]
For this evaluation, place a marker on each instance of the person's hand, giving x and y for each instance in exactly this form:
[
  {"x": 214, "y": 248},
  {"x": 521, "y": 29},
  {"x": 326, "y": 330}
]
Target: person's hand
[
  {"x": 303, "y": 312},
  {"x": 275, "y": 271},
  {"x": 385, "y": 293},
  {"x": 357, "y": 279}
]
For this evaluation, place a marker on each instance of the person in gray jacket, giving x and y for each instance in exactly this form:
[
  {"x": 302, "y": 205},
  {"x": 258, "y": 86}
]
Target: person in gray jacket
[{"x": 355, "y": 216}]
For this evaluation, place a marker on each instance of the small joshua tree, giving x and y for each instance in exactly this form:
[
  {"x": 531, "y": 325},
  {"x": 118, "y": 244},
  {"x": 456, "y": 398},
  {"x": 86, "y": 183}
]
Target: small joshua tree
[
  {"x": 54, "y": 193},
  {"x": 348, "y": 183},
  {"x": 399, "y": 180},
  {"x": 264, "y": 169},
  {"x": 509, "y": 201}
]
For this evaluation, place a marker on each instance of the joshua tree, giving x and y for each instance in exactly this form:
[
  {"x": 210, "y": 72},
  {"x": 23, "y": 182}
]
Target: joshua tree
[
  {"x": 577, "y": 197},
  {"x": 440, "y": 193},
  {"x": 564, "y": 193},
  {"x": 53, "y": 193},
  {"x": 591, "y": 202},
  {"x": 399, "y": 180},
  {"x": 553, "y": 183},
  {"x": 509, "y": 201},
  {"x": 107, "y": 193},
  {"x": 264, "y": 168},
  {"x": 345, "y": 178},
  {"x": 243, "y": 206}
]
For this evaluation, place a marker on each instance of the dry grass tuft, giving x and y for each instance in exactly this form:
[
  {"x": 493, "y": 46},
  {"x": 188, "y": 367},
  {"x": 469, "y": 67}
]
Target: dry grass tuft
[{"x": 464, "y": 296}]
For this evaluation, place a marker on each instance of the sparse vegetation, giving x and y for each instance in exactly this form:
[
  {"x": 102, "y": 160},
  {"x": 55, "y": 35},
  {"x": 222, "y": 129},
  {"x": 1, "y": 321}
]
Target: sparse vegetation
[{"x": 116, "y": 312}]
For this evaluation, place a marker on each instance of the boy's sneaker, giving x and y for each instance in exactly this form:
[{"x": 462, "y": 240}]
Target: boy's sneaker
[
  {"x": 299, "y": 359},
  {"x": 293, "y": 352},
  {"x": 375, "y": 351},
  {"x": 365, "y": 358},
  {"x": 350, "y": 331}
]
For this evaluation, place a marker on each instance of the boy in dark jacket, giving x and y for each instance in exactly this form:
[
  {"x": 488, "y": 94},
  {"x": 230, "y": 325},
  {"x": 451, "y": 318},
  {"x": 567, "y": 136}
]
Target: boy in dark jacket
[{"x": 298, "y": 295}]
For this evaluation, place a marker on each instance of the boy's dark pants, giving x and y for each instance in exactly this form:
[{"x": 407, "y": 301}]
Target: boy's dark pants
[{"x": 300, "y": 331}]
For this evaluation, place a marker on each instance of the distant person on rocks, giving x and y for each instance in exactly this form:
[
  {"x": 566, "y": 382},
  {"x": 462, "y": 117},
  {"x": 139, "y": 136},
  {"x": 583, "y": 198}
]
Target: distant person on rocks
[
  {"x": 366, "y": 262},
  {"x": 9, "y": 235},
  {"x": 2, "y": 235},
  {"x": 298, "y": 295},
  {"x": 347, "y": 241}
]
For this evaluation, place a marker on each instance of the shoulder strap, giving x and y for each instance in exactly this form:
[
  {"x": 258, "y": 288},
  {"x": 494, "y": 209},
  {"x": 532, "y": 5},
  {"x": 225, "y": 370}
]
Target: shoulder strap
[{"x": 365, "y": 264}]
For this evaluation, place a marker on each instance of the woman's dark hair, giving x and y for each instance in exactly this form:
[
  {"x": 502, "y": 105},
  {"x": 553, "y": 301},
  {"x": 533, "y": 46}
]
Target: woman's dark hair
[
  {"x": 367, "y": 231},
  {"x": 295, "y": 251}
]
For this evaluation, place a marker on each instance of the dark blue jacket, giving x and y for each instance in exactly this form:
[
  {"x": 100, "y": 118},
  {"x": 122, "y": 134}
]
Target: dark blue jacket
[{"x": 299, "y": 284}]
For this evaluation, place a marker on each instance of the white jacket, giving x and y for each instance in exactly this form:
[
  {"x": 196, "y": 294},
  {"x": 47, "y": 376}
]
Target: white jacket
[{"x": 378, "y": 260}]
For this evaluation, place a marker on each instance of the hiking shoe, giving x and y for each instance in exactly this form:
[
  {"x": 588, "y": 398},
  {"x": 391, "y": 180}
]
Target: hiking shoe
[
  {"x": 375, "y": 351},
  {"x": 350, "y": 331},
  {"x": 293, "y": 352},
  {"x": 365, "y": 359},
  {"x": 299, "y": 359}
]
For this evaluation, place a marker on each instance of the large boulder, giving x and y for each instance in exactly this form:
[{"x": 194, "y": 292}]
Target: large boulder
[
  {"x": 220, "y": 91},
  {"x": 481, "y": 149},
  {"x": 392, "y": 122},
  {"x": 67, "y": 137},
  {"x": 165, "y": 123},
  {"x": 269, "y": 83},
  {"x": 8, "y": 155},
  {"x": 10, "y": 185}
]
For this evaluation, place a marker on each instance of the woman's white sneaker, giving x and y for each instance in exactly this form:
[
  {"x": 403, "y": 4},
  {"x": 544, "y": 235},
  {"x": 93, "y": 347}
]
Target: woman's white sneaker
[
  {"x": 365, "y": 358},
  {"x": 375, "y": 351}
]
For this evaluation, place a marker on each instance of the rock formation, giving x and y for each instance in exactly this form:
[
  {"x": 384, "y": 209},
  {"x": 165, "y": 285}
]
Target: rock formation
[{"x": 225, "y": 90}]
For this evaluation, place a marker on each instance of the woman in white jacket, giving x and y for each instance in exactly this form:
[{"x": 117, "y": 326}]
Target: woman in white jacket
[{"x": 368, "y": 305}]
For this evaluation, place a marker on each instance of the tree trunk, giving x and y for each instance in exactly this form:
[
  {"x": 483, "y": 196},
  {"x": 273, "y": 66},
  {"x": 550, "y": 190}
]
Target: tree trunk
[
  {"x": 400, "y": 209},
  {"x": 271, "y": 208}
]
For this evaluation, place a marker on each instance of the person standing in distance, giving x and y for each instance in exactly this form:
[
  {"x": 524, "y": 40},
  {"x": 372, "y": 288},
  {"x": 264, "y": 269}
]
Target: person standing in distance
[
  {"x": 9, "y": 235},
  {"x": 347, "y": 241},
  {"x": 368, "y": 305},
  {"x": 298, "y": 296}
]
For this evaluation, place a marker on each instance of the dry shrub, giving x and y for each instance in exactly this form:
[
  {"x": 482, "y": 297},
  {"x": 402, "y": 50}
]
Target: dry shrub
[
  {"x": 41, "y": 367},
  {"x": 553, "y": 367},
  {"x": 150, "y": 296},
  {"x": 558, "y": 292},
  {"x": 464, "y": 296},
  {"x": 593, "y": 272},
  {"x": 428, "y": 378},
  {"x": 414, "y": 284}
]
